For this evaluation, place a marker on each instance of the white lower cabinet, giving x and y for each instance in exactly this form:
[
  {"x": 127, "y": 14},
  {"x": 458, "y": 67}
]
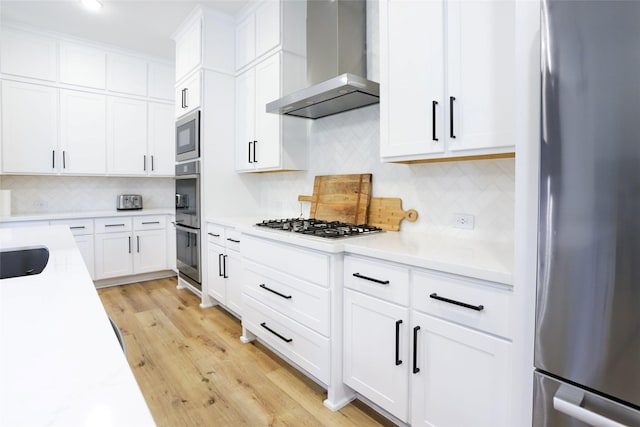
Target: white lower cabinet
[
  {"x": 440, "y": 358},
  {"x": 225, "y": 270},
  {"x": 126, "y": 245}
]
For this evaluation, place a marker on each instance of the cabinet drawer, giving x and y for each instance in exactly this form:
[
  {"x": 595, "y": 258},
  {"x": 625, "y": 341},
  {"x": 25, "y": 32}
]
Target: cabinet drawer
[
  {"x": 215, "y": 234},
  {"x": 78, "y": 227},
  {"x": 302, "y": 301},
  {"x": 301, "y": 345},
  {"x": 377, "y": 278},
  {"x": 113, "y": 225},
  {"x": 232, "y": 239},
  {"x": 155, "y": 222},
  {"x": 303, "y": 263},
  {"x": 485, "y": 308}
]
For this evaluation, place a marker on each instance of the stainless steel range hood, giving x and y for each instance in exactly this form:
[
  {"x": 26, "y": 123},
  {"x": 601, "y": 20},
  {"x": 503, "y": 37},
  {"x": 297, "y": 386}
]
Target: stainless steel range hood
[{"x": 336, "y": 62}]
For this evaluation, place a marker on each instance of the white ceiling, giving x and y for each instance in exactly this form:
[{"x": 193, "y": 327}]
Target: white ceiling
[{"x": 141, "y": 25}]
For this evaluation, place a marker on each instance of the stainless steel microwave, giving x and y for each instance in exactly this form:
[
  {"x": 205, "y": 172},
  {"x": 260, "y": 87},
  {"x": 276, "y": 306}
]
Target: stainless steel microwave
[{"x": 188, "y": 137}]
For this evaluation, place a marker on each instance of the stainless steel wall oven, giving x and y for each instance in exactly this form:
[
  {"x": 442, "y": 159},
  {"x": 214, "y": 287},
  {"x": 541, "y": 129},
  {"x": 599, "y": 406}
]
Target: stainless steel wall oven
[{"x": 188, "y": 223}]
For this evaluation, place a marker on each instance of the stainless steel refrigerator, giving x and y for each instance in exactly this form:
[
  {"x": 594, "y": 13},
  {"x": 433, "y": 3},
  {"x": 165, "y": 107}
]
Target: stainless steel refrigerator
[{"x": 587, "y": 343}]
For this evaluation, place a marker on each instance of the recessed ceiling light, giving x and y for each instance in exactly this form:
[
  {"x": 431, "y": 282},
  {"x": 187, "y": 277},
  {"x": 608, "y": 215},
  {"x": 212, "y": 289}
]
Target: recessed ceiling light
[{"x": 91, "y": 4}]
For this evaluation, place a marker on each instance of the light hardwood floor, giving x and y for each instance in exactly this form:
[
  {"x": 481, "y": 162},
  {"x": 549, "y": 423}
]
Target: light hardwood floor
[{"x": 194, "y": 371}]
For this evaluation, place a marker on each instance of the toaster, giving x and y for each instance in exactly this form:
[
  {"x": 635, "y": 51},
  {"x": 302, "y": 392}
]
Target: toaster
[{"x": 129, "y": 201}]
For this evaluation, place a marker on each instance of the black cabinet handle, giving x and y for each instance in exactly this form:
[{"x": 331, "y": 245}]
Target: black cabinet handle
[
  {"x": 263, "y": 286},
  {"x": 398, "y": 361},
  {"x": 152, "y": 168},
  {"x": 264, "y": 325},
  {"x": 360, "y": 276},
  {"x": 151, "y": 222},
  {"x": 224, "y": 266},
  {"x": 451, "y": 99},
  {"x": 184, "y": 97},
  {"x": 138, "y": 243},
  {"x": 64, "y": 159},
  {"x": 220, "y": 265},
  {"x": 53, "y": 159},
  {"x": 144, "y": 162},
  {"x": 114, "y": 225},
  {"x": 79, "y": 227},
  {"x": 255, "y": 159},
  {"x": 214, "y": 235},
  {"x": 433, "y": 120},
  {"x": 461, "y": 304},
  {"x": 233, "y": 240},
  {"x": 129, "y": 244},
  {"x": 415, "y": 350},
  {"x": 249, "y": 151}
]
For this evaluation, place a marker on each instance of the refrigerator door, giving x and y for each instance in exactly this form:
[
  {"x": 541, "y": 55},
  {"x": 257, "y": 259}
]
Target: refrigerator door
[
  {"x": 588, "y": 293},
  {"x": 558, "y": 404}
]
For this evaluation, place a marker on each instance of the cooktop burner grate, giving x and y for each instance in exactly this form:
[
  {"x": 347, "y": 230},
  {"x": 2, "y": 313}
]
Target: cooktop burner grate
[{"x": 318, "y": 227}]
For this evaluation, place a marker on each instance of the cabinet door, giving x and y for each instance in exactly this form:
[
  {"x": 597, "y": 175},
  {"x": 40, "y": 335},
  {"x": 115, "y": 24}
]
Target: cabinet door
[
  {"x": 267, "y": 26},
  {"x": 29, "y": 128},
  {"x": 85, "y": 245},
  {"x": 149, "y": 251},
  {"x": 245, "y": 42},
  {"x": 267, "y": 133},
  {"x": 161, "y": 81},
  {"x": 188, "y": 95},
  {"x": 113, "y": 255},
  {"x": 411, "y": 77},
  {"x": 171, "y": 243},
  {"x": 126, "y": 74},
  {"x": 216, "y": 282},
  {"x": 245, "y": 120},
  {"x": 481, "y": 72},
  {"x": 463, "y": 377},
  {"x": 376, "y": 363},
  {"x": 161, "y": 147},
  {"x": 82, "y": 65},
  {"x": 189, "y": 50},
  {"x": 83, "y": 135},
  {"x": 234, "y": 270},
  {"x": 28, "y": 55},
  {"x": 126, "y": 136}
]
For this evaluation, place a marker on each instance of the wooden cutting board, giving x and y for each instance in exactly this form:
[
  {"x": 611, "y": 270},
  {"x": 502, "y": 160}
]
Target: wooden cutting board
[
  {"x": 387, "y": 213},
  {"x": 340, "y": 198}
]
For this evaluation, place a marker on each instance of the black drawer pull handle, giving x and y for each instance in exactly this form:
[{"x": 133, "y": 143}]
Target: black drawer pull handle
[
  {"x": 263, "y": 286},
  {"x": 78, "y": 227},
  {"x": 415, "y": 350},
  {"x": 360, "y": 276},
  {"x": 151, "y": 222},
  {"x": 233, "y": 240},
  {"x": 461, "y": 304},
  {"x": 398, "y": 361},
  {"x": 264, "y": 325},
  {"x": 114, "y": 225},
  {"x": 214, "y": 235}
]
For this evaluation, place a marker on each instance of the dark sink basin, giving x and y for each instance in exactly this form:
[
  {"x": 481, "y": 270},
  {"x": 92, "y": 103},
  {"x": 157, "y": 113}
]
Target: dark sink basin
[{"x": 23, "y": 262}]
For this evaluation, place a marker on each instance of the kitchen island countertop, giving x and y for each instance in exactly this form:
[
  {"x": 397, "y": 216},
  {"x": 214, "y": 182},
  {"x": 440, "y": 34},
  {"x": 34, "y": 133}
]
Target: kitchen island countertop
[
  {"x": 85, "y": 214},
  {"x": 60, "y": 362}
]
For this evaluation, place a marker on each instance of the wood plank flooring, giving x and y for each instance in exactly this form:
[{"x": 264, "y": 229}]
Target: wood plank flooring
[{"x": 194, "y": 371}]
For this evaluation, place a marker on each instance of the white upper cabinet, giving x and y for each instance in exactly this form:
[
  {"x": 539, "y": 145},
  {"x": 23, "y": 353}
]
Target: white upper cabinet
[
  {"x": 82, "y": 65},
  {"x": 126, "y": 136},
  {"x": 447, "y": 74},
  {"x": 189, "y": 49},
  {"x": 126, "y": 74},
  {"x": 83, "y": 132},
  {"x": 246, "y": 41},
  {"x": 188, "y": 94},
  {"x": 28, "y": 55},
  {"x": 161, "y": 81},
  {"x": 161, "y": 154},
  {"x": 267, "y": 22},
  {"x": 29, "y": 128}
]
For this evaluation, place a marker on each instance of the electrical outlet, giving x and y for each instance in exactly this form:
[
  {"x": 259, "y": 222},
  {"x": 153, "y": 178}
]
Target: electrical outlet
[
  {"x": 464, "y": 221},
  {"x": 40, "y": 204}
]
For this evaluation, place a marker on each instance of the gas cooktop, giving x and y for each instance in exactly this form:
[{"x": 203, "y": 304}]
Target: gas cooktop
[{"x": 318, "y": 227}]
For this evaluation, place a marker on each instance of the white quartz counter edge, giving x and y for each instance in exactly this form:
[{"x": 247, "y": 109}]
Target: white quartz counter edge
[
  {"x": 87, "y": 214},
  {"x": 61, "y": 364},
  {"x": 484, "y": 260}
]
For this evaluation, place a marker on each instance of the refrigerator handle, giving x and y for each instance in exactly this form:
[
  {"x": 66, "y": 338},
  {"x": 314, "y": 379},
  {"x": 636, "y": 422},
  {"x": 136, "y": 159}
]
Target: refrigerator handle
[{"x": 568, "y": 399}]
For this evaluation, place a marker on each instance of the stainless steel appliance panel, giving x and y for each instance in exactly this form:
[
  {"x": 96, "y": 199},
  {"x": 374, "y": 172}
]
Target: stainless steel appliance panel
[
  {"x": 188, "y": 252},
  {"x": 188, "y": 137},
  {"x": 588, "y": 294},
  {"x": 188, "y": 194}
]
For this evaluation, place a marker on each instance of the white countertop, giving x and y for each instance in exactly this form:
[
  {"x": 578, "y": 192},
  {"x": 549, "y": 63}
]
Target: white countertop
[
  {"x": 60, "y": 362},
  {"x": 86, "y": 214},
  {"x": 480, "y": 259}
]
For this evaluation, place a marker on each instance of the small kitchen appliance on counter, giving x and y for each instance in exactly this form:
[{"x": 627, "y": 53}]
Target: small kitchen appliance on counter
[{"x": 129, "y": 202}]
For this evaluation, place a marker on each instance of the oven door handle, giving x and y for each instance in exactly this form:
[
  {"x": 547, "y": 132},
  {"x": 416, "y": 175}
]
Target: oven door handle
[
  {"x": 188, "y": 229},
  {"x": 192, "y": 176}
]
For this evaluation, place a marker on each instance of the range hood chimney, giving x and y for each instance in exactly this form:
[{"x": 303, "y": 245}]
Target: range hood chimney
[{"x": 336, "y": 62}]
